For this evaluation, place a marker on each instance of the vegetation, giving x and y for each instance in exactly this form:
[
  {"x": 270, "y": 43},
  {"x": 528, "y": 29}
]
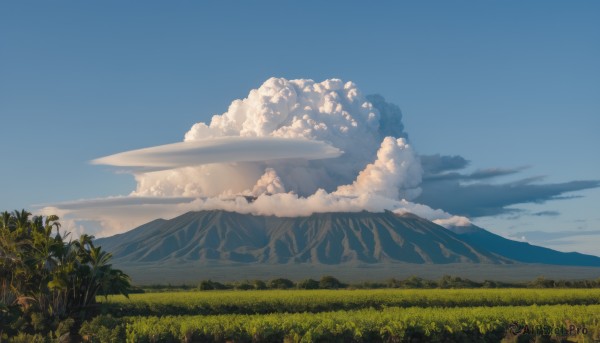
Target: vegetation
[
  {"x": 329, "y": 282},
  {"x": 48, "y": 282},
  {"x": 279, "y": 301},
  {"x": 308, "y": 284},
  {"x": 51, "y": 286},
  {"x": 281, "y": 284},
  {"x": 470, "y": 324}
]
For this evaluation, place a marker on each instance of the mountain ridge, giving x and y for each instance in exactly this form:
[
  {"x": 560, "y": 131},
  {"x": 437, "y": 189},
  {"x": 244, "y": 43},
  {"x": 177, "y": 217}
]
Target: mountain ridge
[{"x": 521, "y": 251}]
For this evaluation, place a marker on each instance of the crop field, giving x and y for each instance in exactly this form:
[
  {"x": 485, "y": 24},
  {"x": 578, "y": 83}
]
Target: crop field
[
  {"x": 390, "y": 315},
  {"x": 297, "y": 301}
]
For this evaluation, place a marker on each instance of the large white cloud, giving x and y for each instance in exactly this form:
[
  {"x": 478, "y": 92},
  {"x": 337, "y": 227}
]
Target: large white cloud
[
  {"x": 281, "y": 145},
  {"x": 331, "y": 111}
]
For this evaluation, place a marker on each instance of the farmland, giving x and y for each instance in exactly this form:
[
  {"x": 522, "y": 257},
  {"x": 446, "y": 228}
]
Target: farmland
[
  {"x": 386, "y": 315},
  {"x": 297, "y": 301}
]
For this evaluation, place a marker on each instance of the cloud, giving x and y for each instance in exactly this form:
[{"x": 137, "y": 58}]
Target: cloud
[
  {"x": 331, "y": 111},
  {"x": 118, "y": 214},
  {"x": 281, "y": 145},
  {"x": 278, "y": 152},
  {"x": 116, "y": 201},
  {"x": 480, "y": 199},
  {"x": 480, "y": 174},
  {"x": 396, "y": 173},
  {"x": 112, "y": 215},
  {"x": 269, "y": 183},
  {"x": 546, "y": 214},
  {"x": 473, "y": 195},
  {"x": 493, "y": 172},
  {"x": 390, "y": 117},
  {"x": 219, "y": 150},
  {"x": 382, "y": 185},
  {"x": 436, "y": 164}
]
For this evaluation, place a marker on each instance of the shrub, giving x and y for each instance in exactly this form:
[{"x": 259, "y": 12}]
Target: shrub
[
  {"x": 308, "y": 284},
  {"x": 281, "y": 283},
  {"x": 103, "y": 329},
  {"x": 208, "y": 285},
  {"x": 244, "y": 286},
  {"x": 259, "y": 284}
]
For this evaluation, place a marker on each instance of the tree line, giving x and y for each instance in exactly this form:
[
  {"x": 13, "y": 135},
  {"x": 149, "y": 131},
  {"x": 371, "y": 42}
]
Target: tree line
[{"x": 330, "y": 282}]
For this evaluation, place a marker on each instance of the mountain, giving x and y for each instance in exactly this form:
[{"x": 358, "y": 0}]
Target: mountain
[
  {"x": 209, "y": 237},
  {"x": 322, "y": 238},
  {"x": 521, "y": 251}
]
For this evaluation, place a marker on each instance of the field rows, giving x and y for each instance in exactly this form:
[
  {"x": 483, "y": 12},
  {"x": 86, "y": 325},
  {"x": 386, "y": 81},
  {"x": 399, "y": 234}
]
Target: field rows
[
  {"x": 298, "y": 301},
  {"x": 461, "y": 324}
]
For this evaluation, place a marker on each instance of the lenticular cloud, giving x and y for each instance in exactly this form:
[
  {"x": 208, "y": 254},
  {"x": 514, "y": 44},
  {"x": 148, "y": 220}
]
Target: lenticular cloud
[
  {"x": 219, "y": 150},
  {"x": 294, "y": 147}
]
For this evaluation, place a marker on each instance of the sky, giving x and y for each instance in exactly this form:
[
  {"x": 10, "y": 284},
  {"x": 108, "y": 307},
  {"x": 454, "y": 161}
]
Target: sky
[{"x": 508, "y": 91}]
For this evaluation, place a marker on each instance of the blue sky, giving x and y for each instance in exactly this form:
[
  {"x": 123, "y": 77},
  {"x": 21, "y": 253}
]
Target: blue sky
[{"x": 504, "y": 84}]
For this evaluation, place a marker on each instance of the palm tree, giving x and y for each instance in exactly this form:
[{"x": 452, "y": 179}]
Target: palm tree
[
  {"x": 6, "y": 221},
  {"x": 49, "y": 275},
  {"x": 21, "y": 220}
]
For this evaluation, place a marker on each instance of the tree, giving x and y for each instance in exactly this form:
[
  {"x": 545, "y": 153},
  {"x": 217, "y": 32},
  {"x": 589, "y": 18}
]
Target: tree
[
  {"x": 259, "y": 284},
  {"x": 308, "y": 284},
  {"x": 47, "y": 278},
  {"x": 281, "y": 284},
  {"x": 329, "y": 282}
]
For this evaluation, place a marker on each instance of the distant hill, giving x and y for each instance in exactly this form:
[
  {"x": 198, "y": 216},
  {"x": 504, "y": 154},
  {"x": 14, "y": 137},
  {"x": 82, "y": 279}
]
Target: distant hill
[
  {"x": 322, "y": 238},
  {"x": 521, "y": 251}
]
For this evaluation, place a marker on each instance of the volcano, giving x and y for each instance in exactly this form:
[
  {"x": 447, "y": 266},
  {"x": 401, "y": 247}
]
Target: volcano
[{"x": 366, "y": 238}]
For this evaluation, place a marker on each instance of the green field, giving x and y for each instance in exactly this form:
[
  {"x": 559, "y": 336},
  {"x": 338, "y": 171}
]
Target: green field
[
  {"x": 296, "y": 301},
  {"x": 390, "y": 315}
]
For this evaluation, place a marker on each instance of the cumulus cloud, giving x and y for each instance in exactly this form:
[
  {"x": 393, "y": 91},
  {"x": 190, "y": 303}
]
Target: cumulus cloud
[
  {"x": 331, "y": 111},
  {"x": 396, "y": 173},
  {"x": 390, "y": 117},
  {"x": 269, "y": 183}
]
